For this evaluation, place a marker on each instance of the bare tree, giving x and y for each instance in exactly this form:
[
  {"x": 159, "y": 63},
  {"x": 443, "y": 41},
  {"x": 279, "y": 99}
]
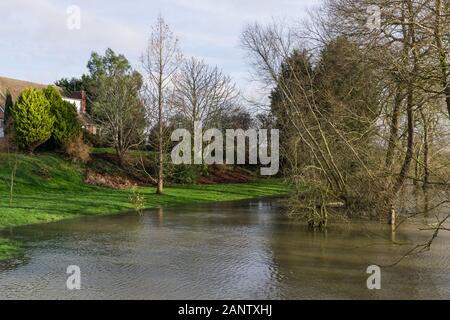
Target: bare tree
[
  {"x": 320, "y": 148},
  {"x": 203, "y": 93},
  {"x": 436, "y": 27},
  {"x": 405, "y": 45},
  {"x": 409, "y": 43},
  {"x": 160, "y": 62}
]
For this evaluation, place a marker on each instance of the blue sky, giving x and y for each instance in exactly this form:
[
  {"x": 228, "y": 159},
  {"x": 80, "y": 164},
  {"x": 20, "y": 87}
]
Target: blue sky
[{"x": 37, "y": 46}]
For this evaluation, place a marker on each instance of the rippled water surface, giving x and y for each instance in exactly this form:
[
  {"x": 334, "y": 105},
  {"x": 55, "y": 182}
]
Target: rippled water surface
[{"x": 238, "y": 250}]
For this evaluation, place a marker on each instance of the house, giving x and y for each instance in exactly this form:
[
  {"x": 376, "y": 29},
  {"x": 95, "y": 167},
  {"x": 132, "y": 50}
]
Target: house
[
  {"x": 79, "y": 99},
  {"x": 2, "y": 118},
  {"x": 15, "y": 88}
]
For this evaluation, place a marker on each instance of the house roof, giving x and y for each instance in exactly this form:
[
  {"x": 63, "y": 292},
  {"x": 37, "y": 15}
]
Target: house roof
[
  {"x": 76, "y": 95},
  {"x": 15, "y": 87}
]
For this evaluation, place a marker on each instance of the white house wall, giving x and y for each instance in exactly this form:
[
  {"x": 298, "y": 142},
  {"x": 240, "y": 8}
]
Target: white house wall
[{"x": 76, "y": 102}]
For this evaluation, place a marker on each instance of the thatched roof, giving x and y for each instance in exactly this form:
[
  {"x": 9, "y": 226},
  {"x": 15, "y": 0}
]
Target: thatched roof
[{"x": 15, "y": 87}]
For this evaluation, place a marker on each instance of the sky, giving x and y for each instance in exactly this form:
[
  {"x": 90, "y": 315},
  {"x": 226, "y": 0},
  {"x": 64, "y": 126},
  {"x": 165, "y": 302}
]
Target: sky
[{"x": 36, "y": 44}]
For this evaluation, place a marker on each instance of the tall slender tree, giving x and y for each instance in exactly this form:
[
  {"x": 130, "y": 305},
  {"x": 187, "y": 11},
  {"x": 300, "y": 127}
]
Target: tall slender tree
[{"x": 160, "y": 62}]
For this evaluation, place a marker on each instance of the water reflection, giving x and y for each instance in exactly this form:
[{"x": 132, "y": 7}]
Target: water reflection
[{"x": 236, "y": 250}]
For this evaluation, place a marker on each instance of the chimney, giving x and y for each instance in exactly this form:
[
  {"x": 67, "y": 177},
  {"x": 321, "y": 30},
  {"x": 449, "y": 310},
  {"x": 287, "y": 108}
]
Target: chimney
[{"x": 83, "y": 102}]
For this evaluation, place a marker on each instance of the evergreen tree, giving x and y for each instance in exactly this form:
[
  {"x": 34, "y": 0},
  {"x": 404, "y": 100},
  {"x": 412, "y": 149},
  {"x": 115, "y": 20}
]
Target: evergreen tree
[
  {"x": 7, "y": 114},
  {"x": 32, "y": 118},
  {"x": 346, "y": 87},
  {"x": 67, "y": 125}
]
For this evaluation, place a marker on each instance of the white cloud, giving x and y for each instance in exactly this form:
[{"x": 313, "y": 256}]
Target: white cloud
[{"x": 37, "y": 45}]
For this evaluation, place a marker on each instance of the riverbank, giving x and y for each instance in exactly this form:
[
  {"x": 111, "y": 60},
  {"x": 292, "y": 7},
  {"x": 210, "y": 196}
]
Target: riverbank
[{"x": 48, "y": 188}]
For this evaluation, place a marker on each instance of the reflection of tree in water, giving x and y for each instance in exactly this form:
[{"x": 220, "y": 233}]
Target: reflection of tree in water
[
  {"x": 333, "y": 263},
  {"x": 429, "y": 208},
  {"x": 273, "y": 255}
]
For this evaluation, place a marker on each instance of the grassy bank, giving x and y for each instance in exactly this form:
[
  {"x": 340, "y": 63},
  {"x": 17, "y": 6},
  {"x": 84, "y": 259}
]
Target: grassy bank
[
  {"x": 48, "y": 188},
  {"x": 9, "y": 249}
]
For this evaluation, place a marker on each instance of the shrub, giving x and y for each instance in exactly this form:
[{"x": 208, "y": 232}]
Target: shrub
[
  {"x": 78, "y": 150},
  {"x": 137, "y": 199},
  {"x": 32, "y": 119},
  {"x": 94, "y": 139},
  {"x": 67, "y": 124},
  {"x": 4, "y": 145},
  {"x": 7, "y": 114},
  {"x": 186, "y": 174}
]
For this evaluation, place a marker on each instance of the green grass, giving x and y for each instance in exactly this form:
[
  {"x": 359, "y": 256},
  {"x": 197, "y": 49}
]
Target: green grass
[
  {"x": 48, "y": 188},
  {"x": 9, "y": 249}
]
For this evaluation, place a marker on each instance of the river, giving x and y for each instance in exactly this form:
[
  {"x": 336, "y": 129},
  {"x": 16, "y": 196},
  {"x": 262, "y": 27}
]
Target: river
[{"x": 234, "y": 250}]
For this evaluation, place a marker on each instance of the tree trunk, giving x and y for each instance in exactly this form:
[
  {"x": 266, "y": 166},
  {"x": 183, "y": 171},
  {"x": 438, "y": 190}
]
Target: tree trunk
[
  {"x": 447, "y": 98},
  {"x": 393, "y": 135},
  {"x": 443, "y": 54},
  {"x": 417, "y": 166},
  {"x": 410, "y": 145},
  {"x": 426, "y": 150},
  {"x": 120, "y": 154},
  {"x": 120, "y": 159},
  {"x": 410, "y": 36},
  {"x": 160, "y": 186}
]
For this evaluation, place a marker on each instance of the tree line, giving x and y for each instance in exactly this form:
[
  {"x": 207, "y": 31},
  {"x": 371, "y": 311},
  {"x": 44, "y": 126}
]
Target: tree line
[
  {"x": 361, "y": 94},
  {"x": 138, "y": 108}
]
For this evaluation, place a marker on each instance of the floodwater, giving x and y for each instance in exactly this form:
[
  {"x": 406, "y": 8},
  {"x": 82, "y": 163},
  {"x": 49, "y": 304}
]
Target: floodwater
[{"x": 234, "y": 250}]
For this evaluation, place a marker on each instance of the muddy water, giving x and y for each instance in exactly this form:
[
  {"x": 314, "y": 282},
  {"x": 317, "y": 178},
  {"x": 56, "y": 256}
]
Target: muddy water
[{"x": 238, "y": 250}]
